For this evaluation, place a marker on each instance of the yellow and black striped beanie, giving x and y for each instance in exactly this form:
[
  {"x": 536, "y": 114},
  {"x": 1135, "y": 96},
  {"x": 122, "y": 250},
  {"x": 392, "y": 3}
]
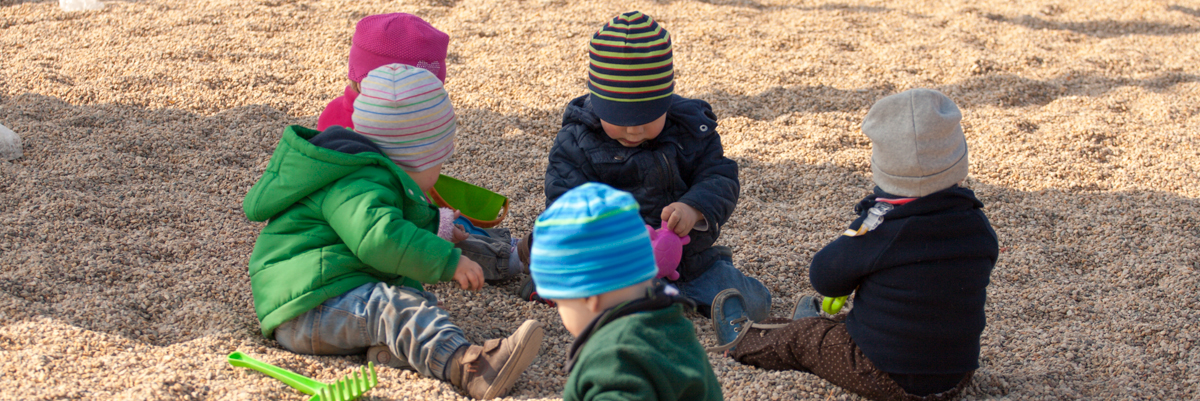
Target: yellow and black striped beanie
[{"x": 630, "y": 73}]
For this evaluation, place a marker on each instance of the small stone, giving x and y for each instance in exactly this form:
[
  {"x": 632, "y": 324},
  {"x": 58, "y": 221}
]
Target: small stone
[{"x": 10, "y": 144}]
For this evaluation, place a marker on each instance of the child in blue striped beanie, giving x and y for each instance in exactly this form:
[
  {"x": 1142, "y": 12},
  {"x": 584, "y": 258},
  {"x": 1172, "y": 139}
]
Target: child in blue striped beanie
[{"x": 592, "y": 257}]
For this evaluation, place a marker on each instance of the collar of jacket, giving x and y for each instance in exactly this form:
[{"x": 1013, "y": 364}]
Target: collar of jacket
[
  {"x": 692, "y": 116},
  {"x": 953, "y": 198}
]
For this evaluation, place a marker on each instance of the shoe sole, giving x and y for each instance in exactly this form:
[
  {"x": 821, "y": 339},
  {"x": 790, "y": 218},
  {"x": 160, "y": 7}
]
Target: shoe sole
[{"x": 525, "y": 351}]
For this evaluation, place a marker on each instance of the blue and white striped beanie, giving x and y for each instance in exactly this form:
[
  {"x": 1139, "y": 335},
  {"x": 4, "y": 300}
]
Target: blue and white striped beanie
[{"x": 589, "y": 242}]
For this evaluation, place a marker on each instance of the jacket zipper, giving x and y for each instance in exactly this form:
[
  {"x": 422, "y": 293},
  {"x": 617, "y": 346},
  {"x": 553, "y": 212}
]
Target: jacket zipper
[{"x": 667, "y": 171}]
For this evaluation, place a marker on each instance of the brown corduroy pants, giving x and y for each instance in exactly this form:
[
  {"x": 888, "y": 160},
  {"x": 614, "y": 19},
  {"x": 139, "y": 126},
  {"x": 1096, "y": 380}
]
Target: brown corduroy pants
[{"x": 824, "y": 347}]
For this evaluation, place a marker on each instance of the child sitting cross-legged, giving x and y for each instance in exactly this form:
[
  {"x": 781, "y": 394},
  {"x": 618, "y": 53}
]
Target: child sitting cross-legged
[
  {"x": 918, "y": 260},
  {"x": 632, "y": 132},
  {"x": 591, "y": 255},
  {"x": 350, "y": 237}
]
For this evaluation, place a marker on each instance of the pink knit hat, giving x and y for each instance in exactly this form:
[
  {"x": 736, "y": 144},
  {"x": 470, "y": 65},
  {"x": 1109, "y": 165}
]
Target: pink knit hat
[{"x": 397, "y": 38}]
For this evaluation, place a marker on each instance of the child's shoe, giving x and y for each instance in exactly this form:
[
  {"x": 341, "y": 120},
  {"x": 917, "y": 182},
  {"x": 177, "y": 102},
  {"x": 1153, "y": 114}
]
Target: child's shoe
[
  {"x": 731, "y": 322},
  {"x": 528, "y": 292},
  {"x": 488, "y": 371},
  {"x": 523, "y": 250},
  {"x": 807, "y": 306},
  {"x": 729, "y": 318}
]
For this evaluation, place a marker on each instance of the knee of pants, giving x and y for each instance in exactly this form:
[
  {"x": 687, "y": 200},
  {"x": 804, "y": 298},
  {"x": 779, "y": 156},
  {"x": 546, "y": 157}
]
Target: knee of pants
[{"x": 754, "y": 292}]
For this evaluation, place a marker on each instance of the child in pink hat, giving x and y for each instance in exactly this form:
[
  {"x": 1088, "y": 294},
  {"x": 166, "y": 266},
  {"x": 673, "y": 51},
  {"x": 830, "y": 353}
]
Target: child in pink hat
[
  {"x": 401, "y": 38},
  {"x": 384, "y": 39}
]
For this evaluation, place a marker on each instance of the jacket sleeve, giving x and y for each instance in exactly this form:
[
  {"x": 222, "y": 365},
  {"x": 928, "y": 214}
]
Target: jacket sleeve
[
  {"x": 713, "y": 188},
  {"x": 839, "y": 268},
  {"x": 359, "y": 208},
  {"x": 569, "y": 166}
]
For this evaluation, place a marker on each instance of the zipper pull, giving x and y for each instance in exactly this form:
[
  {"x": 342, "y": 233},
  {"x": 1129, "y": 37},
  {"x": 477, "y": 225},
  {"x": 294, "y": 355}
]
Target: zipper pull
[{"x": 873, "y": 220}]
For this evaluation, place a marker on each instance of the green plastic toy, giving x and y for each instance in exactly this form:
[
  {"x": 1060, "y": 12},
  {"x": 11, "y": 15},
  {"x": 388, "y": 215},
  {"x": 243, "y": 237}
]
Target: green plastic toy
[
  {"x": 833, "y": 305},
  {"x": 482, "y": 207},
  {"x": 348, "y": 388}
]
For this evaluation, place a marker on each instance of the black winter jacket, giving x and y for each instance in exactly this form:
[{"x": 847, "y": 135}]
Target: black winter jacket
[
  {"x": 685, "y": 163},
  {"x": 922, "y": 278}
]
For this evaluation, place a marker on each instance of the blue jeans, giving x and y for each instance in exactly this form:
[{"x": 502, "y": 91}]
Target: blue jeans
[
  {"x": 723, "y": 275},
  {"x": 407, "y": 320}
]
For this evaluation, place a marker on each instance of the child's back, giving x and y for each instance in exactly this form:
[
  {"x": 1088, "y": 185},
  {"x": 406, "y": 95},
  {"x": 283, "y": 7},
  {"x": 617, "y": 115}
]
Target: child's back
[
  {"x": 921, "y": 280},
  {"x": 657, "y": 349},
  {"x": 319, "y": 242}
]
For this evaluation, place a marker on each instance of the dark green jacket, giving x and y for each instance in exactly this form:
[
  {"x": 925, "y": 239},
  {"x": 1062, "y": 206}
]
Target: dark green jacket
[
  {"x": 651, "y": 355},
  {"x": 336, "y": 221}
]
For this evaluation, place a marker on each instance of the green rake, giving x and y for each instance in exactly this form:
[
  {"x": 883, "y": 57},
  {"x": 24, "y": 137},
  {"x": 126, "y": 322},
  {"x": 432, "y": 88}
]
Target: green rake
[{"x": 349, "y": 387}]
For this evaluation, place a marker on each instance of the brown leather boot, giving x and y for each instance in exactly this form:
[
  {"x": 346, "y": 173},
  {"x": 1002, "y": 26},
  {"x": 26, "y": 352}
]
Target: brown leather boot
[{"x": 489, "y": 371}]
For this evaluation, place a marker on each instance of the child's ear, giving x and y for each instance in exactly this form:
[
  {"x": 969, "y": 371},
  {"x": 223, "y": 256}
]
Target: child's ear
[{"x": 593, "y": 303}]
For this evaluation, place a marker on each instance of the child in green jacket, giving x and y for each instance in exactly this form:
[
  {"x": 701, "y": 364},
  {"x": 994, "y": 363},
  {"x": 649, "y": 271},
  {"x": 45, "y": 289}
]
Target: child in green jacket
[
  {"x": 350, "y": 237},
  {"x": 591, "y": 255}
]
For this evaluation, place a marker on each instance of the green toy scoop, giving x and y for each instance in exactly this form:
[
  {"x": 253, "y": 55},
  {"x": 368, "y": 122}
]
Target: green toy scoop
[{"x": 348, "y": 388}]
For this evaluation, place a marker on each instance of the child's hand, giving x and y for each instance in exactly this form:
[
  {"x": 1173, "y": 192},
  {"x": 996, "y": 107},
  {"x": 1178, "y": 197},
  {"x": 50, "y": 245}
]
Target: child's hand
[
  {"x": 680, "y": 218},
  {"x": 469, "y": 275},
  {"x": 459, "y": 234}
]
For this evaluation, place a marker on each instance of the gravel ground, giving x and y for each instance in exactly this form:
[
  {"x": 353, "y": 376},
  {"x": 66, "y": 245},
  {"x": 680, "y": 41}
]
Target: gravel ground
[{"x": 123, "y": 247}]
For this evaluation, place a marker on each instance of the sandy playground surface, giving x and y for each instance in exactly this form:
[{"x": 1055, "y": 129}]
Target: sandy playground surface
[{"x": 123, "y": 247}]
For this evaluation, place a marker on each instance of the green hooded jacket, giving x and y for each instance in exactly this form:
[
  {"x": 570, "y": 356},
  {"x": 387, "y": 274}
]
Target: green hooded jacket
[{"x": 336, "y": 221}]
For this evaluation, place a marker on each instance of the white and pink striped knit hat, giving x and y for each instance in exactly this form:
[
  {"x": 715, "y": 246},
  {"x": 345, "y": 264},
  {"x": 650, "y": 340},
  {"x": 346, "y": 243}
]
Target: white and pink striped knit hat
[{"x": 406, "y": 111}]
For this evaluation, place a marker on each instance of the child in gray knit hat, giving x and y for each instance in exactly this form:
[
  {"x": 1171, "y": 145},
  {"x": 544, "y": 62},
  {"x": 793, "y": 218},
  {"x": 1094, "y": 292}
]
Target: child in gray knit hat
[{"x": 917, "y": 259}]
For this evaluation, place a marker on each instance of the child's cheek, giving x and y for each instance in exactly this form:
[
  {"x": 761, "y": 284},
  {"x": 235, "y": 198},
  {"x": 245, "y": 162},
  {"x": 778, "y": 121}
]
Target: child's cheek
[{"x": 569, "y": 318}]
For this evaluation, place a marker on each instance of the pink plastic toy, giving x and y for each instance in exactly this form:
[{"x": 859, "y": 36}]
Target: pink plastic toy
[{"x": 668, "y": 250}]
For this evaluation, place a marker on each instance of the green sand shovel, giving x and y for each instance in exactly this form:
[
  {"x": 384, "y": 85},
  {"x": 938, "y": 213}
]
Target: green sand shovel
[
  {"x": 348, "y": 388},
  {"x": 482, "y": 207}
]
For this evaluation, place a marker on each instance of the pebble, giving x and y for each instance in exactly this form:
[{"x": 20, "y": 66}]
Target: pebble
[
  {"x": 123, "y": 247},
  {"x": 10, "y": 144}
]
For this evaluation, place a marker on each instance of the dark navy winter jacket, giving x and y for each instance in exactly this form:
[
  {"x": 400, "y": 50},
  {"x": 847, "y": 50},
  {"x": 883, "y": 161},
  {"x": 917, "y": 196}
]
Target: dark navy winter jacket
[
  {"x": 921, "y": 277},
  {"x": 685, "y": 163}
]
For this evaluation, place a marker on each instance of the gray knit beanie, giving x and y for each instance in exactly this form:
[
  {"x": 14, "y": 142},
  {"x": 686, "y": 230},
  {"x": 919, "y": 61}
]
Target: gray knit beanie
[{"x": 917, "y": 144}]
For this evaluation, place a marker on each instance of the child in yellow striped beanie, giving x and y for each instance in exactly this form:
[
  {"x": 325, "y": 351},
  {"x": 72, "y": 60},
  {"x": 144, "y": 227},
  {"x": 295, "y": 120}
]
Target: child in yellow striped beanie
[{"x": 632, "y": 132}]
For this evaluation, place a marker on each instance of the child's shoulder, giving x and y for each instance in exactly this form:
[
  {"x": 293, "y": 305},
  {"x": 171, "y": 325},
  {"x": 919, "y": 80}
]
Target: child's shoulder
[
  {"x": 694, "y": 116},
  {"x": 654, "y": 329}
]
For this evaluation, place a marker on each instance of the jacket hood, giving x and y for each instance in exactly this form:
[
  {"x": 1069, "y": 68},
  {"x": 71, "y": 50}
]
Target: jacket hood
[
  {"x": 305, "y": 161},
  {"x": 692, "y": 115}
]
